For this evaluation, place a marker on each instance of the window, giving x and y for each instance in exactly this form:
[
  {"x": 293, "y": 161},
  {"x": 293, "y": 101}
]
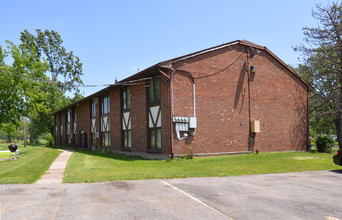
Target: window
[
  {"x": 126, "y": 118},
  {"x": 69, "y": 139},
  {"x": 105, "y": 105},
  {"x": 127, "y": 139},
  {"x": 154, "y": 114},
  {"x": 154, "y": 90},
  {"x": 105, "y": 121},
  {"x": 93, "y": 109},
  {"x": 105, "y": 139},
  {"x": 68, "y": 117},
  {"x": 74, "y": 127},
  {"x": 126, "y": 98},
  {"x": 155, "y": 138}
]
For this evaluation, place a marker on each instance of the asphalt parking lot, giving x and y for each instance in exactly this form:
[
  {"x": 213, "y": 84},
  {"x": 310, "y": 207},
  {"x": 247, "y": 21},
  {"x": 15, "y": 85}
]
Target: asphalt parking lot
[{"x": 303, "y": 195}]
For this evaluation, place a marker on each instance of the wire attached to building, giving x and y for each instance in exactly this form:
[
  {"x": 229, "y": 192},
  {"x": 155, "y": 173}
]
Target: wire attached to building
[{"x": 221, "y": 70}]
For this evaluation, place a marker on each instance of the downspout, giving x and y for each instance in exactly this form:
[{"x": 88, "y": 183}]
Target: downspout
[
  {"x": 249, "y": 116},
  {"x": 194, "y": 105},
  {"x": 171, "y": 114},
  {"x": 171, "y": 108},
  {"x": 193, "y": 98},
  {"x": 249, "y": 103}
]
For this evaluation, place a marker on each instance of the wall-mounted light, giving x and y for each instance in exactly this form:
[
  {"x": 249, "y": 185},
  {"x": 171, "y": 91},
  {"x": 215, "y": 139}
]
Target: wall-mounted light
[{"x": 254, "y": 69}]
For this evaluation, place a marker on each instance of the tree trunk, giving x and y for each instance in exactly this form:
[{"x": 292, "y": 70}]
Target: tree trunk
[
  {"x": 24, "y": 131},
  {"x": 9, "y": 138}
]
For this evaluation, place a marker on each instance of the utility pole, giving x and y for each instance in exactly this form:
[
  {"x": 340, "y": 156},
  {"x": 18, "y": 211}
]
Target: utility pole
[{"x": 24, "y": 129}]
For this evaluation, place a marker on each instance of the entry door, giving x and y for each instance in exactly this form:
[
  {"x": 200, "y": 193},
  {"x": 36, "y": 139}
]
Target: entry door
[{"x": 83, "y": 137}]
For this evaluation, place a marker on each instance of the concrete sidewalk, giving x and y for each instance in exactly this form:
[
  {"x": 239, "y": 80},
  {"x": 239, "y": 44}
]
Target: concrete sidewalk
[{"x": 55, "y": 173}]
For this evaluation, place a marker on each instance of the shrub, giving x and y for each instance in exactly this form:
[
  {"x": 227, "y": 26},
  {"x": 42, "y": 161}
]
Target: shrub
[
  {"x": 49, "y": 139},
  {"x": 324, "y": 144},
  {"x": 191, "y": 152}
]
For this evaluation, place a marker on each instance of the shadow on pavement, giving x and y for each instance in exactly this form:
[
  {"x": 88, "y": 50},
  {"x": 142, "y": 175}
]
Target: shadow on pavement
[{"x": 336, "y": 171}]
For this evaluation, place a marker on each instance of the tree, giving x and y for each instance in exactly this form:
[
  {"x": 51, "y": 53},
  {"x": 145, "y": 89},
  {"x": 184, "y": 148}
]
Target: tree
[
  {"x": 27, "y": 90},
  {"x": 9, "y": 129},
  {"x": 17, "y": 94},
  {"x": 322, "y": 63},
  {"x": 320, "y": 120},
  {"x": 48, "y": 44}
]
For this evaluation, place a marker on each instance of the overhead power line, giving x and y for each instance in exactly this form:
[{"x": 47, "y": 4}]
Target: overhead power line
[{"x": 52, "y": 82}]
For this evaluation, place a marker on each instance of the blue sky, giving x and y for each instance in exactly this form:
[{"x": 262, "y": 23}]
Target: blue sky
[{"x": 115, "y": 38}]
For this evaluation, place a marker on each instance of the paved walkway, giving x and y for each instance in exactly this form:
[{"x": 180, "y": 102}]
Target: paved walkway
[{"x": 55, "y": 173}]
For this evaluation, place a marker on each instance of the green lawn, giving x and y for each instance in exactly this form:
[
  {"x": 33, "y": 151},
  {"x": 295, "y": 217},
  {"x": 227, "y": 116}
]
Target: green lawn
[
  {"x": 34, "y": 161},
  {"x": 87, "y": 166}
]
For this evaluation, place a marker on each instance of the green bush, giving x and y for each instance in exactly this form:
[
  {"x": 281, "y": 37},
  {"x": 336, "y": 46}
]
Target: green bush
[
  {"x": 49, "y": 139},
  {"x": 324, "y": 144}
]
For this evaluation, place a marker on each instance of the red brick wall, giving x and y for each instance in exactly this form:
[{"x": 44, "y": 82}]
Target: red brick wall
[
  {"x": 278, "y": 99},
  {"x": 138, "y": 118},
  {"x": 115, "y": 119},
  {"x": 83, "y": 121}
]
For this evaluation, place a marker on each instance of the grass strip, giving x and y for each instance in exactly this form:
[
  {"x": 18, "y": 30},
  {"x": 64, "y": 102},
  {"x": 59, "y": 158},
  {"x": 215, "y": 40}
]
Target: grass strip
[
  {"x": 88, "y": 166},
  {"x": 33, "y": 162}
]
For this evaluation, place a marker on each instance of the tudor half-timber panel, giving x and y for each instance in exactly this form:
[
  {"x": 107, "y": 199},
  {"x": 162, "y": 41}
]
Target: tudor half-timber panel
[
  {"x": 126, "y": 121},
  {"x": 93, "y": 125},
  {"x": 105, "y": 123},
  {"x": 75, "y": 128},
  {"x": 155, "y": 117}
]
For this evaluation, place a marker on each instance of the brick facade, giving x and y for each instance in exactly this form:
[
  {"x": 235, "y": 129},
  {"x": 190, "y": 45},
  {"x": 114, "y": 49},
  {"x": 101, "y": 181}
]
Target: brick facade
[
  {"x": 83, "y": 124},
  {"x": 115, "y": 119},
  {"x": 275, "y": 96},
  {"x": 228, "y": 98},
  {"x": 139, "y": 118}
]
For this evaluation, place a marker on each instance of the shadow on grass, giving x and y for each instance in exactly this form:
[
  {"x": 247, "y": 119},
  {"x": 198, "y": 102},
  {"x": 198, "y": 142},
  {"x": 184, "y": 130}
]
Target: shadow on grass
[
  {"x": 5, "y": 145},
  {"x": 111, "y": 155}
]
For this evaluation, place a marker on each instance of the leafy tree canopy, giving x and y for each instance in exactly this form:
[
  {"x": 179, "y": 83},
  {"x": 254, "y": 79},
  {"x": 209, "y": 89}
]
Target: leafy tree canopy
[
  {"x": 26, "y": 88},
  {"x": 322, "y": 67}
]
